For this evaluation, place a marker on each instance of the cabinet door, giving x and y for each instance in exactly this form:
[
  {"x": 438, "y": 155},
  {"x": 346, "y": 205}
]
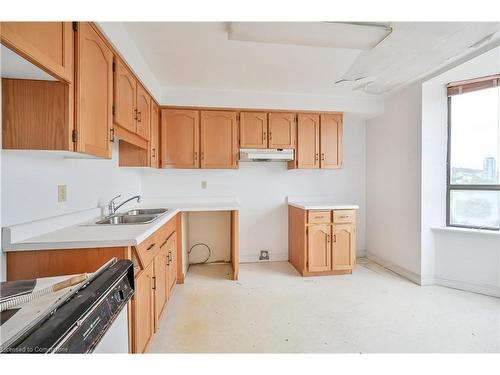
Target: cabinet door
[
  {"x": 281, "y": 130},
  {"x": 308, "y": 141},
  {"x": 160, "y": 284},
  {"x": 319, "y": 243},
  {"x": 172, "y": 262},
  {"x": 253, "y": 130},
  {"x": 125, "y": 93},
  {"x": 153, "y": 140},
  {"x": 331, "y": 141},
  {"x": 143, "y": 112},
  {"x": 94, "y": 93},
  {"x": 344, "y": 247},
  {"x": 219, "y": 139},
  {"x": 143, "y": 303},
  {"x": 49, "y": 45},
  {"x": 180, "y": 138}
]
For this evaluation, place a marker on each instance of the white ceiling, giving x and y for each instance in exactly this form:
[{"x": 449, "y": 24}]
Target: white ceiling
[{"x": 200, "y": 55}]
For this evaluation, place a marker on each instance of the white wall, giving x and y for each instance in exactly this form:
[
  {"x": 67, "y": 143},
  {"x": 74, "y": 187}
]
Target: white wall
[
  {"x": 262, "y": 188},
  {"x": 406, "y": 189},
  {"x": 30, "y": 179},
  {"x": 118, "y": 36},
  {"x": 366, "y": 106},
  {"x": 467, "y": 260},
  {"x": 393, "y": 151}
]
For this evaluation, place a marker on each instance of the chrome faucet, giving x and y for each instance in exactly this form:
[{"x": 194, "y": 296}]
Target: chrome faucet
[{"x": 112, "y": 207}]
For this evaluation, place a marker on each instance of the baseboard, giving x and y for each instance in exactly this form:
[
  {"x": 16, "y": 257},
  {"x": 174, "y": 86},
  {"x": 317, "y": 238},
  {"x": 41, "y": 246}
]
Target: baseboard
[
  {"x": 407, "y": 274},
  {"x": 489, "y": 290}
]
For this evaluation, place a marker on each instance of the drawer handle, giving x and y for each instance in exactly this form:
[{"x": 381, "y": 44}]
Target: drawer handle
[
  {"x": 151, "y": 246},
  {"x": 344, "y": 216}
]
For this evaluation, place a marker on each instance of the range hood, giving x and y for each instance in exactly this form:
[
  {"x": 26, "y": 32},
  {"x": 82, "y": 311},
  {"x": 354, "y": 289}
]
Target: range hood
[{"x": 263, "y": 154}]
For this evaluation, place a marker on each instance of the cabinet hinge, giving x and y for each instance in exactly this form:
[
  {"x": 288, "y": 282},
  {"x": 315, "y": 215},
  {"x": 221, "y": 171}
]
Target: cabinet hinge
[
  {"x": 74, "y": 135},
  {"x": 75, "y": 26},
  {"x": 114, "y": 66}
]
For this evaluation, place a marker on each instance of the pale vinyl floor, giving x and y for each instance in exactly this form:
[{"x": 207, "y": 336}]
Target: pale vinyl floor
[{"x": 272, "y": 309}]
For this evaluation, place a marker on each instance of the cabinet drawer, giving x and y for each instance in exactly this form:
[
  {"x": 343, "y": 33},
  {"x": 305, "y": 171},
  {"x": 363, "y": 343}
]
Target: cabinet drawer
[
  {"x": 147, "y": 249},
  {"x": 344, "y": 216},
  {"x": 319, "y": 217}
]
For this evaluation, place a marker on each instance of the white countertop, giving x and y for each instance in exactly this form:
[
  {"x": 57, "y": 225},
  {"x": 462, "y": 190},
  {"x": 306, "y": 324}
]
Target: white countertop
[
  {"x": 84, "y": 234},
  {"x": 320, "y": 204}
]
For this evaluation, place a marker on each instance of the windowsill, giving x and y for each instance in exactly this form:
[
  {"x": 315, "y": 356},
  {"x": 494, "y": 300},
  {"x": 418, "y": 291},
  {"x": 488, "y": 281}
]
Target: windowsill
[{"x": 482, "y": 232}]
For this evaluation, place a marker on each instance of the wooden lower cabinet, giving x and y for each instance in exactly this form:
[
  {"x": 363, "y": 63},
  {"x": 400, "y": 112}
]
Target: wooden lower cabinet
[
  {"x": 343, "y": 247},
  {"x": 319, "y": 248},
  {"x": 322, "y": 242},
  {"x": 143, "y": 309},
  {"x": 172, "y": 263},
  {"x": 155, "y": 273}
]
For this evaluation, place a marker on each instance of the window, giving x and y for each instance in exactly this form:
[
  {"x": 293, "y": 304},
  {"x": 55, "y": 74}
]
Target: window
[{"x": 473, "y": 182}]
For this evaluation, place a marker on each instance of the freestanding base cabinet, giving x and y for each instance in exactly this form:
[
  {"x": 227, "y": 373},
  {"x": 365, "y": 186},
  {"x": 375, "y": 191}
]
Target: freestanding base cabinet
[{"x": 322, "y": 242}]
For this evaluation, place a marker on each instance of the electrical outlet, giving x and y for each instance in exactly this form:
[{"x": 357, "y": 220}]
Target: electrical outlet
[
  {"x": 62, "y": 193},
  {"x": 204, "y": 184},
  {"x": 264, "y": 255}
]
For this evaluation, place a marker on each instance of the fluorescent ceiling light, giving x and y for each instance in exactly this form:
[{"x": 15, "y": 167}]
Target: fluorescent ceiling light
[{"x": 360, "y": 36}]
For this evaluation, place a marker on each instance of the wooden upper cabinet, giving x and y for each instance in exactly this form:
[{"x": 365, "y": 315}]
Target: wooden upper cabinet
[
  {"x": 319, "y": 248},
  {"x": 219, "y": 139},
  {"x": 94, "y": 92},
  {"x": 308, "y": 141},
  {"x": 281, "y": 130},
  {"x": 253, "y": 129},
  {"x": 344, "y": 247},
  {"x": 180, "y": 136},
  {"x": 37, "y": 115},
  {"x": 49, "y": 45},
  {"x": 331, "y": 140},
  {"x": 143, "y": 112},
  {"x": 154, "y": 142},
  {"x": 125, "y": 94}
]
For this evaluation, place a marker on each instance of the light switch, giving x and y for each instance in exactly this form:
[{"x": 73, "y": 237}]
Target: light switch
[
  {"x": 61, "y": 193},
  {"x": 204, "y": 184}
]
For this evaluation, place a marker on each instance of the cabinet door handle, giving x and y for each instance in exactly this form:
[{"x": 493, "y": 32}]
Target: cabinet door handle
[
  {"x": 195, "y": 156},
  {"x": 316, "y": 157},
  {"x": 264, "y": 137},
  {"x": 153, "y": 152},
  {"x": 139, "y": 116},
  {"x": 334, "y": 238},
  {"x": 202, "y": 155},
  {"x": 270, "y": 136},
  {"x": 151, "y": 246},
  {"x": 322, "y": 156},
  {"x": 328, "y": 238},
  {"x": 112, "y": 135},
  {"x": 135, "y": 114},
  {"x": 154, "y": 282}
]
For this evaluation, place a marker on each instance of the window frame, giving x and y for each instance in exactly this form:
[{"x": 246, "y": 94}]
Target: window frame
[{"x": 461, "y": 187}]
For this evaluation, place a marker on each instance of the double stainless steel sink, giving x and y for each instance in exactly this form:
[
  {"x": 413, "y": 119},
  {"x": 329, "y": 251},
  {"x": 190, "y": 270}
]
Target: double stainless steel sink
[{"x": 136, "y": 216}]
